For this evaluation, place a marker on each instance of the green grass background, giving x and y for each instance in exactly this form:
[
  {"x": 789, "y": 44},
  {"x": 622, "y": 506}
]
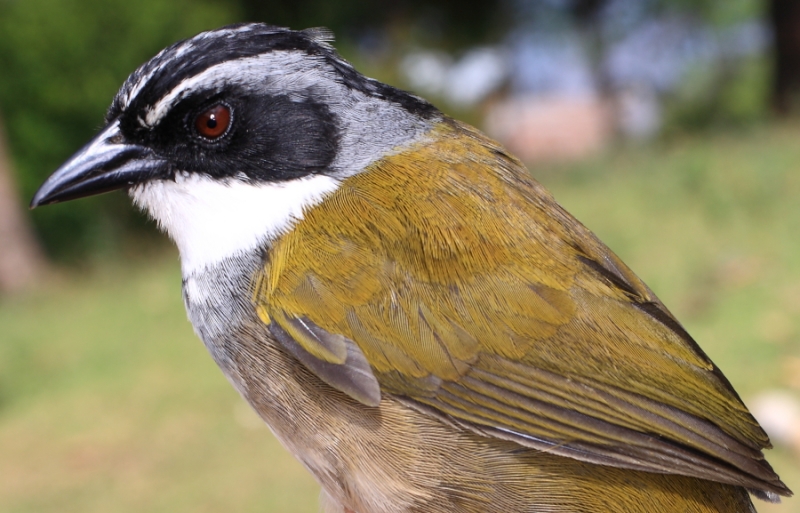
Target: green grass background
[{"x": 108, "y": 402}]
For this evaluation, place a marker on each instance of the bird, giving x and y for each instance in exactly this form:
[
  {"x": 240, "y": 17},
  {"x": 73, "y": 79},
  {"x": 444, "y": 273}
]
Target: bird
[{"x": 414, "y": 316}]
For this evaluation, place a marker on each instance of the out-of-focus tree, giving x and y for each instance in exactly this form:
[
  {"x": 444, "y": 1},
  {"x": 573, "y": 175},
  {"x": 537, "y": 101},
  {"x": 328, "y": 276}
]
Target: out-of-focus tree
[
  {"x": 62, "y": 62},
  {"x": 21, "y": 260},
  {"x": 586, "y": 14},
  {"x": 709, "y": 77},
  {"x": 785, "y": 19}
]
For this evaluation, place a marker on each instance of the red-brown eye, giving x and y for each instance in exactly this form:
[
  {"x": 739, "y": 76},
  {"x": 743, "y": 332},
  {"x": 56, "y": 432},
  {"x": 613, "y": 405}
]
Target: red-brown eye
[{"x": 214, "y": 122}]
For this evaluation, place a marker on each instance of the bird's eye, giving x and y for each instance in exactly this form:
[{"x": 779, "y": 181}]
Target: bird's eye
[{"x": 214, "y": 122}]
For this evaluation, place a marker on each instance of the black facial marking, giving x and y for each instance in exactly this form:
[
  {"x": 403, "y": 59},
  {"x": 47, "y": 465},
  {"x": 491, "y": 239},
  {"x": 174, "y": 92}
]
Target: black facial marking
[{"x": 271, "y": 138}]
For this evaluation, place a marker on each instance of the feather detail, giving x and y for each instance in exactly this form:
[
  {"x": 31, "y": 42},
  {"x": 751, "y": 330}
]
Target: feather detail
[{"x": 351, "y": 375}]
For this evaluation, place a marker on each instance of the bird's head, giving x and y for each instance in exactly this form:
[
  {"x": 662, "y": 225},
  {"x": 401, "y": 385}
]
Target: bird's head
[{"x": 225, "y": 138}]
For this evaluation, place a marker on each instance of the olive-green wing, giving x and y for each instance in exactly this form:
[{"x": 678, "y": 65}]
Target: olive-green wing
[{"x": 482, "y": 302}]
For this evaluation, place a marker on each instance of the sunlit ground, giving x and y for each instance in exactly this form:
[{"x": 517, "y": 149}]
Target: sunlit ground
[{"x": 108, "y": 403}]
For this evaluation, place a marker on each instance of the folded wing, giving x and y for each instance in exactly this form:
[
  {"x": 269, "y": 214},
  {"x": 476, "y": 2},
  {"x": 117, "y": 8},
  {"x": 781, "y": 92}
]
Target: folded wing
[{"x": 482, "y": 302}]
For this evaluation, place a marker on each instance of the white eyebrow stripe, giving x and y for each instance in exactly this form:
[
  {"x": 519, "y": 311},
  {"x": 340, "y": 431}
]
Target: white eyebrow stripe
[{"x": 285, "y": 71}]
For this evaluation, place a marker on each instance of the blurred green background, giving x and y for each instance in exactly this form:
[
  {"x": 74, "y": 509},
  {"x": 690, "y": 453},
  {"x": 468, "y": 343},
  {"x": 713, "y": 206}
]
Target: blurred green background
[{"x": 108, "y": 402}]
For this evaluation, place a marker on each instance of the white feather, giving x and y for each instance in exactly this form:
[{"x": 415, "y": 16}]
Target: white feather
[{"x": 211, "y": 220}]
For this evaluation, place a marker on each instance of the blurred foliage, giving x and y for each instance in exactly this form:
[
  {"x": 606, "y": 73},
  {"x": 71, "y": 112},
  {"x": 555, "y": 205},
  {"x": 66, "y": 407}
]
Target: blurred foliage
[
  {"x": 730, "y": 95},
  {"x": 716, "y": 12},
  {"x": 443, "y": 23},
  {"x": 723, "y": 94}
]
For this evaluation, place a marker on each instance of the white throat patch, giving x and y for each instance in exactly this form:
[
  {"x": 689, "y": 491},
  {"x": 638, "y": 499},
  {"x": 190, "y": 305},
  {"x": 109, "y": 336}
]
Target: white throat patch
[{"x": 211, "y": 219}]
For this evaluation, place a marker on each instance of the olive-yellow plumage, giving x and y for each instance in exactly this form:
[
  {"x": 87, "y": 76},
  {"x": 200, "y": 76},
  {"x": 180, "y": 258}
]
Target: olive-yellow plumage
[
  {"x": 471, "y": 292},
  {"x": 414, "y": 316}
]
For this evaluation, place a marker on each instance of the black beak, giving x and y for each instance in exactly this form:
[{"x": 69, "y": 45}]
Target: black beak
[{"x": 105, "y": 164}]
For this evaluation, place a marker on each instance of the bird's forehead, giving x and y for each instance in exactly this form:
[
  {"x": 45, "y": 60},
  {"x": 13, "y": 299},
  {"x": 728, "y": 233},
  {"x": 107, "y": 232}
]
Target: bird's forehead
[{"x": 240, "y": 54}]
